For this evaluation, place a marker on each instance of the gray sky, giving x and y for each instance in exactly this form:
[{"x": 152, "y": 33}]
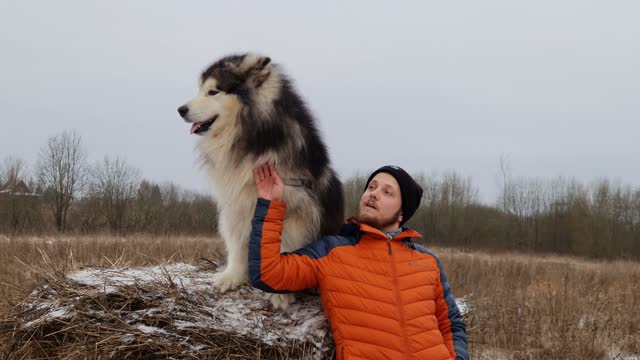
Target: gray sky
[{"x": 431, "y": 86}]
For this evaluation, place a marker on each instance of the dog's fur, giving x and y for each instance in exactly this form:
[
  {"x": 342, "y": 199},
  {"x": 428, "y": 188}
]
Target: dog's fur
[{"x": 258, "y": 118}]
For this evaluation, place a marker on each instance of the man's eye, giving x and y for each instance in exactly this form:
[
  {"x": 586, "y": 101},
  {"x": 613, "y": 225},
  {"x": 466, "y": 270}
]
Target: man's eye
[{"x": 212, "y": 92}]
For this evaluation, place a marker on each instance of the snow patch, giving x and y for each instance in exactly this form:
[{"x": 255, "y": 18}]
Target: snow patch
[
  {"x": 462, "y": 306},
  {"x": 616, "y": 354},
  {"x": 49, "y": 312},
  {"x": 151, "y": 330}
]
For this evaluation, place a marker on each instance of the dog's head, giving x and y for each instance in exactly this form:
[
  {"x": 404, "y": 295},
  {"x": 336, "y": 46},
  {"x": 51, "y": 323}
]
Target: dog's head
[{"x": 226, "y": 86}]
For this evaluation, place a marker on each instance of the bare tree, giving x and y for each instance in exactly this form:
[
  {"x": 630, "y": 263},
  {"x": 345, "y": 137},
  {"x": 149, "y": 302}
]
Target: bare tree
[
  {"x": 446, "y": 210},
  {"x": 115, "y": 184},
  {"x": 149, "y": 209},
  {"x": 13, "y": 205},
  {"x": 61, "y": 170},
  {"x": 353, "y": 189},
  {"x": 505, "y": 171},
  {"x": 12, "y": 170}
]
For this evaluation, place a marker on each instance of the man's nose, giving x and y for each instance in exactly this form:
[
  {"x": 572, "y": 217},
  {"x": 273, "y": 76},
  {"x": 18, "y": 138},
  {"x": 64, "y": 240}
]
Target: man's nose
[{"x": 183, "y": 110}]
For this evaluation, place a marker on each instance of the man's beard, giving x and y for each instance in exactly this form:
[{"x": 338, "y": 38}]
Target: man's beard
[{"x": 376, "y": 222}]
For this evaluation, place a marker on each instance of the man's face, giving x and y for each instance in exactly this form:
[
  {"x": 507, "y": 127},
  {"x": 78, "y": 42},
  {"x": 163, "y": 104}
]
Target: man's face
[{"x": 381, "y": 203}]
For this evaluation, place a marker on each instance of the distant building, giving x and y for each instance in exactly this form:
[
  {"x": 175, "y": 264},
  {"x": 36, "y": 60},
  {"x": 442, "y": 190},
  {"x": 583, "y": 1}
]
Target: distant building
[{"x": 16, "y": 188}]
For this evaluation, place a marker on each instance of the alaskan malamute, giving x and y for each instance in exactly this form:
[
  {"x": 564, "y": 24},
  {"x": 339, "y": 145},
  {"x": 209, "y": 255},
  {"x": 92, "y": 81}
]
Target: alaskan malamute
[{"x": 248, "y": 113}]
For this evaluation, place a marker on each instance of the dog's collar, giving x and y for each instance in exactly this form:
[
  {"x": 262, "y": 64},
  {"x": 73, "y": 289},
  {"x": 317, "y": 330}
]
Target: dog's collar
[{"x": 298, "y": 183}]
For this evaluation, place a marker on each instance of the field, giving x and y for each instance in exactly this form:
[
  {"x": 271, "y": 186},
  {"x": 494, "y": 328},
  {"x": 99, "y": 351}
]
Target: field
[{"x": 522, "y": 306}]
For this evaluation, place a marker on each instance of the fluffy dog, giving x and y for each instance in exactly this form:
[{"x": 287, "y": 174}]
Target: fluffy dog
[{"x": 248, "y": 113}]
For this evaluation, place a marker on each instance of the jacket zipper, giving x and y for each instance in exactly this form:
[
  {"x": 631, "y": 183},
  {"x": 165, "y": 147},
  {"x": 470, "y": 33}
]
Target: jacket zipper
[{"x": 396, "y": 290}]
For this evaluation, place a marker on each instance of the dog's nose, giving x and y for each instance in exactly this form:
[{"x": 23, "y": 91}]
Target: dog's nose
[{"x": 183, "y": 110}]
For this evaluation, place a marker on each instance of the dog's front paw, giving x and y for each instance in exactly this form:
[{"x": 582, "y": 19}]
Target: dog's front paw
[
  {"x": 280, "y": 301},
  {"x": 228, "y": 280}
]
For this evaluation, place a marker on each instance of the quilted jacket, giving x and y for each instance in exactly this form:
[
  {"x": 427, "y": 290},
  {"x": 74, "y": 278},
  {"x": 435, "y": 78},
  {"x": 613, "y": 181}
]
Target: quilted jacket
[{"x": 384, "y": 298}]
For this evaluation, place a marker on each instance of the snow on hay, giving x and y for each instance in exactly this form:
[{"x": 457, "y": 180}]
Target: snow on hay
[{"x": 168, "y": 311}]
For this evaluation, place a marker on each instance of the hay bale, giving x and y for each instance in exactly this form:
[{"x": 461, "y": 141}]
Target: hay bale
[{"x": 169, "y": 311}]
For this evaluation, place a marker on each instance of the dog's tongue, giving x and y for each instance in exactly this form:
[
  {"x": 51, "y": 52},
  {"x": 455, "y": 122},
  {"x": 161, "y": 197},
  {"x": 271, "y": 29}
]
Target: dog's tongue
[{"x": 195, "y": 127}]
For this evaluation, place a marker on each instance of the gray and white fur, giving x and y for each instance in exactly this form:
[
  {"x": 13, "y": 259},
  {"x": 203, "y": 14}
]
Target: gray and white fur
[{"x": 248, "y": 113}]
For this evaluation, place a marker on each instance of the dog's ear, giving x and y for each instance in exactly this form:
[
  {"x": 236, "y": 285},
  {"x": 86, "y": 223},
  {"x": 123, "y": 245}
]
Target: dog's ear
[
  {"x": 260, "y": 79},
  {"x": 262, "y": 63},
  {"x": 261, "y": 72}
]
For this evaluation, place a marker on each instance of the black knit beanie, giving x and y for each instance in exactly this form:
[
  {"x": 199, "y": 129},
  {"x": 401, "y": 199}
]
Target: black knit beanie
[{"x": 410, "y": 191}]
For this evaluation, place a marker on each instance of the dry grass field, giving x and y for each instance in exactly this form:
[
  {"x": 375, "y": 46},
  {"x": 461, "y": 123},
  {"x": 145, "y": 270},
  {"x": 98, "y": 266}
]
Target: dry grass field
[
  {"x": 523, "y": 306},
  {"x": 548, "y": 307}
]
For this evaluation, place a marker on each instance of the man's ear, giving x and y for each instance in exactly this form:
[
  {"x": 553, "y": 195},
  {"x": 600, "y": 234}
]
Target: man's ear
[{"x": 400, "y": 217}]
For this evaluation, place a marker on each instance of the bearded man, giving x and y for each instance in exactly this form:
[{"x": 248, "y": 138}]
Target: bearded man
[{"x": 385, "y": 296}]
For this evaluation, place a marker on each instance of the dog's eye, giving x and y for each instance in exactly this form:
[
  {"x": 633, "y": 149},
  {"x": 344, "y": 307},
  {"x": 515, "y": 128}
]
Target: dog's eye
[{"x": 212, "y": 92}]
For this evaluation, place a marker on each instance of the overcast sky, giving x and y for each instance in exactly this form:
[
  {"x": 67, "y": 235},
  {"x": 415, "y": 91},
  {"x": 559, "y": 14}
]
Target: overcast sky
[{"x": 431, "y": 86}]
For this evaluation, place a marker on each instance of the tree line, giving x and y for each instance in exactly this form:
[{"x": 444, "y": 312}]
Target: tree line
[
  {"x": 561, "y": 215},
  {"x": 65, "y": 193}
]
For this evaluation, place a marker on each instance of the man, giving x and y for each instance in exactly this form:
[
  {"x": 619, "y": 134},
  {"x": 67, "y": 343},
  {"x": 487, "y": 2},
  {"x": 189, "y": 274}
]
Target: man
[{"x": 385, "y": 296}]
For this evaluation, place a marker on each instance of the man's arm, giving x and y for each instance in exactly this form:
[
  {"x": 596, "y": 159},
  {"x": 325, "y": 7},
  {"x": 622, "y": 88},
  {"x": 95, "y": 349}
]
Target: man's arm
[
  {"x": 269, "y": 270},
  {"x": 450, "y": 319}
]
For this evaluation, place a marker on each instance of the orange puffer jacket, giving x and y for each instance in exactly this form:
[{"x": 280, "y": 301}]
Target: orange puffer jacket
[{"x": 385, "y": 299}]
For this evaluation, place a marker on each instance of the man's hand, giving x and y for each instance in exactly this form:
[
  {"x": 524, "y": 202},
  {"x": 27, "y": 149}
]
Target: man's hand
[{"x": 268, "y": 183}]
